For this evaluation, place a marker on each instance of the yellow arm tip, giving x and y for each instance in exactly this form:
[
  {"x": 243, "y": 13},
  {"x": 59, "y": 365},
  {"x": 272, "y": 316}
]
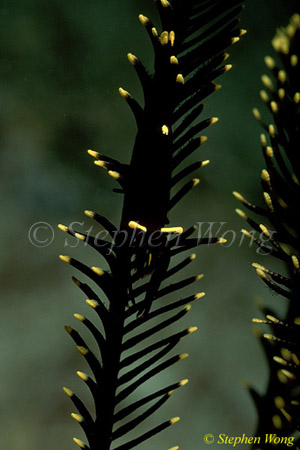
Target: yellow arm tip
[{"x": 65, "y": 258}]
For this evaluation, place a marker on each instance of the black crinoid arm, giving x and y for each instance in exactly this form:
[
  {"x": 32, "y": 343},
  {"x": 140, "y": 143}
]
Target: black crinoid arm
[
  {"x": 278, "y": 227},
  {"x": 189, "y": 54}
]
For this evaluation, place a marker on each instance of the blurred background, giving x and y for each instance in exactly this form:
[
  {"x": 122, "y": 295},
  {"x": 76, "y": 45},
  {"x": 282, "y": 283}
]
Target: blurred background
[{"x": 61, "y": 64}]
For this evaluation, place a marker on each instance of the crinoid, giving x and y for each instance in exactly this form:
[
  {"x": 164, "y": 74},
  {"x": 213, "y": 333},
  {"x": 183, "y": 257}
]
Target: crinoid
[
  {"x": 278, "y": 408},
  {"x": 189, "y": 54}
]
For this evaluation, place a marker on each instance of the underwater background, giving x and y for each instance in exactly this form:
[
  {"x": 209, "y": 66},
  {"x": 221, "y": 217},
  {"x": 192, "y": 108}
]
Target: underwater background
[{"x": 61, "y": 64}]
